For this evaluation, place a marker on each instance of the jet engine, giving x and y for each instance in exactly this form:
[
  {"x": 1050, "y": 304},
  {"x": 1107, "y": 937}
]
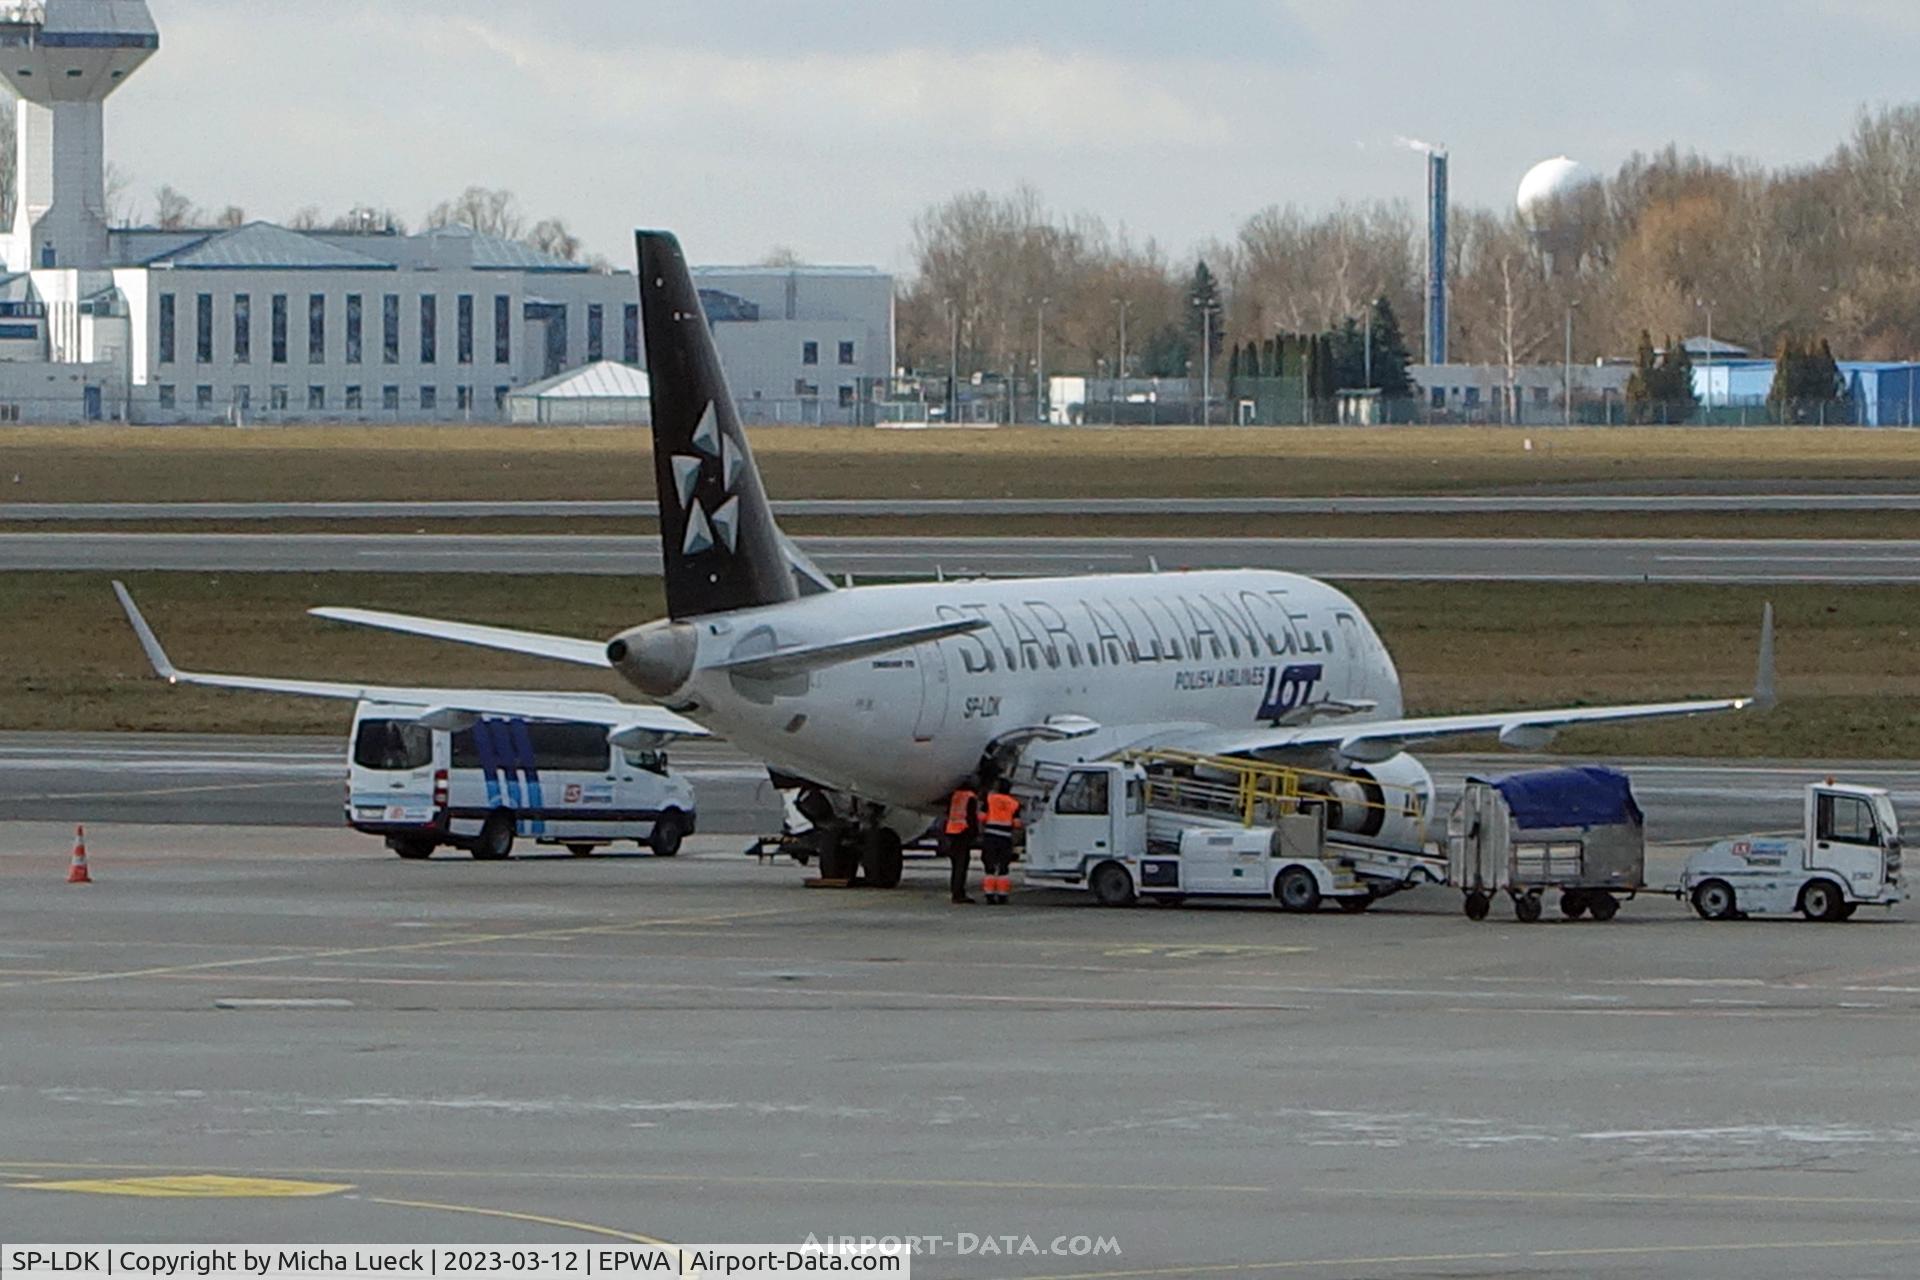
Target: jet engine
[{"x": 1386, "y": 804}]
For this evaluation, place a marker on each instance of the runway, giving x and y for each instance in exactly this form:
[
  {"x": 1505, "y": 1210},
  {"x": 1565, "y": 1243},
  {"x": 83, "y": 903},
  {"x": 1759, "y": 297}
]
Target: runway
[
  {"x": 163, "y": 779},
  {"x": 1359, "y": 504},
  {"x": 1402, "y": 559},
  {"x": 588, "y": 1050}
]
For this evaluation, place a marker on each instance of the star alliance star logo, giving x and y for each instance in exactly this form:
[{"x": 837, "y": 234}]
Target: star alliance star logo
[{"x": 706, "y": 530}]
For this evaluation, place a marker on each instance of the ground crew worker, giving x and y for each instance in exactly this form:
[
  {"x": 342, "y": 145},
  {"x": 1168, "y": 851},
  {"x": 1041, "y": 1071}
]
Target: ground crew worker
[
  {"x": 963, "y": 824},
  {"x": 1001, "y": 821}
]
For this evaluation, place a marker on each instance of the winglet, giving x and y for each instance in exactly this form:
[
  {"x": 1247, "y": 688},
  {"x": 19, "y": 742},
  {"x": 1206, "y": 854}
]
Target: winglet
[
  {"x": 162, "y": 666},
  {"x": 1764, "y": 697}
]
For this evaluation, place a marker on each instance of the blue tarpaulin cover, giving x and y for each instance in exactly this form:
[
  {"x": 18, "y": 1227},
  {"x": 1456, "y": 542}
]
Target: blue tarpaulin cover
[{"x": 1586, "y": 796}]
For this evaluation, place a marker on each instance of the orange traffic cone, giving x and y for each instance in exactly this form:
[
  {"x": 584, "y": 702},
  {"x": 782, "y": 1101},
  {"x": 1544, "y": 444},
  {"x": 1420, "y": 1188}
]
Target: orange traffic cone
[{"x": 77, "y": 873}]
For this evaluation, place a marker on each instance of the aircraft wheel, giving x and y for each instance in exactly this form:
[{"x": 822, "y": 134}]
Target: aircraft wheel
[
  {"x": 1297, "y": 890},
  {"x": 1477, "y": 905},
  {"x": 1112, "y": 885},
  {"x": 669, "y": 829},
  {"x": 1604, "y": 906},
  {"x": 1574, "y": 904},
  {"x": 882, "y": 858},
  {"x": 1823, "y": 900},
  {"x": 1527, "y": 908},
  {"x": 1714, "y": 900},
  {"x": 496, "y": 839}
]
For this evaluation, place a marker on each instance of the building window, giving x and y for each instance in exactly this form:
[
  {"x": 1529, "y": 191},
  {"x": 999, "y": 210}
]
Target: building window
[
  {"x": 203, "y": 329},
  {"x": 596, "y": 332},
  {"x": 466, "y": 328},
  {"x": 390, "y": 399},
  {"x": 277, "y": 398},
  {"x": 390, "y": 325},
  {"x": 169, "y": 396},
  {"x": 805, "y": 389},
  {"x": 429, "y": 328},
  {"x": 203, "y": 398},
  {"x": 316, "y": 399},
  {"x": 502, "y": 329},
  {"x": 243, "y": 328},
  {"x": 1473, "y": 398},
  {"x": 809, "y": 353},
  {"x": 280, "y": 329},
  {"x": 1540, "y": 395},
  {"x": 317, "y": 329},
  {"x": 355, "y": 400},
  {"x": 466, "y": 399},
  {"x": 500, "y": 395},
  {"x": 846, "y": 353},
  {"x": 632, "y": 355},
  {"x": 243, "y": 397},
  {"x": 1439, "y": 397},
  {"x": 355, "y": 327},
  {"x": 429, "y": 398},
  {"x": 166, "y": 328},
  {"x": 846, "y": 396}
]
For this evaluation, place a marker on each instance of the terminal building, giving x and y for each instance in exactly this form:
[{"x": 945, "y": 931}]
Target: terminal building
[{"x": 262, "y": 324}]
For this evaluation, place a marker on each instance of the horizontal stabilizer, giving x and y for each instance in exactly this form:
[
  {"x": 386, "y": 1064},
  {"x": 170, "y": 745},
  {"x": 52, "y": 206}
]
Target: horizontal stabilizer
[
  {"x": 584, "y": 653},
  {"x": 435, "y": 707},
  {"x": 800, "y": 659}
]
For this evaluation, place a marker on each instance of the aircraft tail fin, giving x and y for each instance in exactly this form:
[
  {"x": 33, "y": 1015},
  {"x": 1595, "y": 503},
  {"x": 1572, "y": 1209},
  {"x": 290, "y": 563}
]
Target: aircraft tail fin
[{"x": 721, "y": 546}]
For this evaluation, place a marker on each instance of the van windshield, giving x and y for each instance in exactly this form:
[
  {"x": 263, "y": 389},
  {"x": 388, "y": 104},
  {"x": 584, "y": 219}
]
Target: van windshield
[{"x": 392, "y": 746}]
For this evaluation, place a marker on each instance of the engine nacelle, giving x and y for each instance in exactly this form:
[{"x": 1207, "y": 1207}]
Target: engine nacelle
[{"x": 1387, "y": 804}]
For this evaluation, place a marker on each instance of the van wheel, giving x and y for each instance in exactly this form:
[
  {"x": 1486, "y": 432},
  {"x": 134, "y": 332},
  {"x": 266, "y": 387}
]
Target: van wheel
[
  {"x": 1111, "y": 884},
  {"x": 1297, "y": 890},
  {"x": 581, "y": 850},
  {"x": 1714, "y": 900},
  {"x": 1822, "y": 900},
  {"x": 668, "y": 832},
  {"x": 496, "y": 839},
  {"x": 412, "y": 848}
]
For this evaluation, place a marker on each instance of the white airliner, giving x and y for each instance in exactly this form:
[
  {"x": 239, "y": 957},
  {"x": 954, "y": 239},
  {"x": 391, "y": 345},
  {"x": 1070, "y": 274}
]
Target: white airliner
[{"x": 878, "y": 701}]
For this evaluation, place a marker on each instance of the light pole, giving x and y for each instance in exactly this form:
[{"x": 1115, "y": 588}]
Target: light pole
[
  {"x": 1125, "y": 306},
  {"x": 953, "y": 363},
  {"x": 1707, "y": 306},
  {"x": 1040, "y": 364},
  {"x": 1206, "y": 364},
  {"x": 1567, "y": 368}
]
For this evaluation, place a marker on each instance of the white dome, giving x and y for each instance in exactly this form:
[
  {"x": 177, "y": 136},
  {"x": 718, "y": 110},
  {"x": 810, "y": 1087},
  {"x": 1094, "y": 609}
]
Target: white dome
[{"x": 1547, "y": 182}]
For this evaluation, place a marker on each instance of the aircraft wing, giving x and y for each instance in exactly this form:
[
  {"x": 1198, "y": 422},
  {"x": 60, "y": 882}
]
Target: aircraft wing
[
  {"x": 584, "y": 653},
  {"x": 1365, "y": 741},
  {"x": 631, "y": 720}
]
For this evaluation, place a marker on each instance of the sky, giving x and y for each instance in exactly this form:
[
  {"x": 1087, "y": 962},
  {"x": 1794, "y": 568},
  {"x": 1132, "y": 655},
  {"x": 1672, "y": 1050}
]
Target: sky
[{"x": 827, "y": 128}]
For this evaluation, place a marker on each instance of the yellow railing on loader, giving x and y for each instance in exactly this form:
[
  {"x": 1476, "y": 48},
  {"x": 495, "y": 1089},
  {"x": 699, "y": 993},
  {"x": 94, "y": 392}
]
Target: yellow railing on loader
[{"x": 1254, "y": 792}]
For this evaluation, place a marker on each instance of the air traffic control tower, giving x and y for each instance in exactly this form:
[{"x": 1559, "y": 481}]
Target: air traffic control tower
[{"x": 64, "y": 57}]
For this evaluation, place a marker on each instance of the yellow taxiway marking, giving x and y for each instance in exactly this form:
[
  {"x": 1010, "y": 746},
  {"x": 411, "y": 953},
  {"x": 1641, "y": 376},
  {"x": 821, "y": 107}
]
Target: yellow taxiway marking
[
  {"x": 1615, "y": 1197},
  {"x": 203, "y": 1186},
  {"x": 537, "y": 1219},
  {"x": 648, "y": 1179},
  {"x": 1513, "y": 1255}
]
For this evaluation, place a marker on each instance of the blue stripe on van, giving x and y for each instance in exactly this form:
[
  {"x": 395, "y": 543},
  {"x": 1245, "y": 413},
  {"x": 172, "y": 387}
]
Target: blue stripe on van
[
  {"x": 523, "y": 754},
  {"x": 483, "y": 747}
]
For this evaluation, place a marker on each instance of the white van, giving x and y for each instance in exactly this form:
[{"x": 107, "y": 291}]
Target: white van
[{"x": 480, "y": 787}]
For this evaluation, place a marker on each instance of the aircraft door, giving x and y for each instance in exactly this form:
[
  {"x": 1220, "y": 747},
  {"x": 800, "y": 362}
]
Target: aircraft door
[{"x": 936, "y": 692}]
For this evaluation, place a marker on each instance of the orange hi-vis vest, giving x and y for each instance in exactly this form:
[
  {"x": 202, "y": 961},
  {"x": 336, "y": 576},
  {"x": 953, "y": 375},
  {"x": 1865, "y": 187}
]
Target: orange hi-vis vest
[
  {"x": 1003, "y": 815},
  {"x": 960, "y": 812}
]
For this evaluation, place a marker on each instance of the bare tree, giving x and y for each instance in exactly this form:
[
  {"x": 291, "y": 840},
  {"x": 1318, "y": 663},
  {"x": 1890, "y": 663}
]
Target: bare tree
[
  {"x": 122, "y": 208},
  {"x": 231, "y": 216},
  {"x": 174, "y": 211},
  {"x": 488, "y": 211},
  {"x": 551, "y": 236},
  {"x": 780, "y": 256}
]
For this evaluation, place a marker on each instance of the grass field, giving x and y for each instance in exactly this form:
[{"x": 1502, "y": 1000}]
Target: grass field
[
  {"x": 1848, "y": 676},
  {"x": 1762, "y": 524},
  {"x": 266, "y": 464}
]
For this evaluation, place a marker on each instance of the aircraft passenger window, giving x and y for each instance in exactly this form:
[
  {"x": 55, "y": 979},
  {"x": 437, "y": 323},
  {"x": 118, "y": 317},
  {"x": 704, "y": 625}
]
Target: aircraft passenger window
[
  {"x": 392, "y": 746},
  {"x": 1084, "y": 795},
  {"x": 1847, "y": 819}
]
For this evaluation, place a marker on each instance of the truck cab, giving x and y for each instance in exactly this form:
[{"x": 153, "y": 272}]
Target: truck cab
[{"x": 1848, "y": 856}]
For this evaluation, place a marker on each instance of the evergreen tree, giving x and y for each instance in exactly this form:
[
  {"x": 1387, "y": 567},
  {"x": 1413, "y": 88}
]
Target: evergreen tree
[
  {"x": 1786, "y": 371},
  {"x": 1643, "y": 386},
  {"x": 1349, "y": 356},
  {"x": 1391, "y": 357},
  {"x": 1206, "y": 319},
  {"x": 1677, "y": 396}
]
